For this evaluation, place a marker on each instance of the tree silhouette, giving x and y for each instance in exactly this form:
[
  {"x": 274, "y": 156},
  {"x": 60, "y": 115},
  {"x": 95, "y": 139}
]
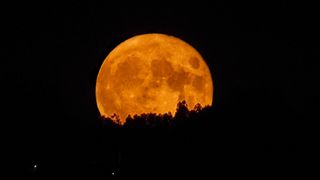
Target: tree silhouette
[
  {"x": 182, "y": 116},
  {"x": 182, "y": 111}
]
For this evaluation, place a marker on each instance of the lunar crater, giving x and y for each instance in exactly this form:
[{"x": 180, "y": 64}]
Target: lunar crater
[
  {"x": 198, "y": 82},
  {"x": 178, "y": 79},
  {"x": 195, "y": 62},
  {"x": 161, "y": 68}
]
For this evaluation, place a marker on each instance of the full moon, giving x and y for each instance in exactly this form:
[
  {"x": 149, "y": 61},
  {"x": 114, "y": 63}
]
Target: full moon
[{"x": 151, "y": 73}]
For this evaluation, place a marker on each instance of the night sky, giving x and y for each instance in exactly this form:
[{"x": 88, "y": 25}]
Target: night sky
[{"x": 263, "y": 59}]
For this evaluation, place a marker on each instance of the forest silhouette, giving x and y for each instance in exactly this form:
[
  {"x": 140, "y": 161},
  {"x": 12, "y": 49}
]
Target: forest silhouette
[{"x": 152, "y": 120}]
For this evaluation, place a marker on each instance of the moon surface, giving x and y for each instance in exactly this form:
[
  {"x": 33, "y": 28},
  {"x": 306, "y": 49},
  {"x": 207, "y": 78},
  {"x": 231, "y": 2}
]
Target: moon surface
[{"x": 151, "y": 73}]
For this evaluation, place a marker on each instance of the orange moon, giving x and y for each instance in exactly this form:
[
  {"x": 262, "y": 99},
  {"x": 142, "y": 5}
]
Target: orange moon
[{"x": 151, "y": 73}]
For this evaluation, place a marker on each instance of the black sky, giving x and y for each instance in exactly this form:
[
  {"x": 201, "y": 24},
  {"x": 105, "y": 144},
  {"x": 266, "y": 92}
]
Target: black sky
[{"x": 263, "y": 58}]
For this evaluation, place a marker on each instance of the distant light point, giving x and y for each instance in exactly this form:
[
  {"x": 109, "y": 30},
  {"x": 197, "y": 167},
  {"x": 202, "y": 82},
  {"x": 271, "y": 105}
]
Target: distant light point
[
  {"x": 113, "y": 173},
  {"x": 35, "y": 166}
]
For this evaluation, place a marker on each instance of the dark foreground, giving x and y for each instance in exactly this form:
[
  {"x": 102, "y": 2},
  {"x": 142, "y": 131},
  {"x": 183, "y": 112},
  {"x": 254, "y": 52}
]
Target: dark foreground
[{"x": 199, "y": 144}]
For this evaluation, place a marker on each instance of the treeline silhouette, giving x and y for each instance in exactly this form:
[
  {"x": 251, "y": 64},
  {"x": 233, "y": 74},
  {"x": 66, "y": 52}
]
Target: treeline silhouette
[{"x": 182, "y": 117}]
